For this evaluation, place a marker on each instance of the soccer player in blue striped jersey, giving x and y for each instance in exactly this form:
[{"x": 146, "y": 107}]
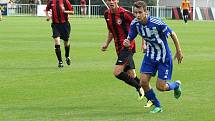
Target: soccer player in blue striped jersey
[{"x": 158, "y": 56}]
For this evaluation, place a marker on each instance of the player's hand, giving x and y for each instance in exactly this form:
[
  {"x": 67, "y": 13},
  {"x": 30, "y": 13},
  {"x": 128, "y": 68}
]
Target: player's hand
[
  {"x": 104, "y": 46},
  {"x": 63, "y": 8},
  {"x": 179, "y": 56},
  {"x": 48, "y": 18},
  {"x": 143, "y": 48},
  {"x": 126, "y": 43}
]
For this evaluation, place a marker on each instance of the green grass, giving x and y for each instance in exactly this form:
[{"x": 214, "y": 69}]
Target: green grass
[{"x": 32, "y": 88}]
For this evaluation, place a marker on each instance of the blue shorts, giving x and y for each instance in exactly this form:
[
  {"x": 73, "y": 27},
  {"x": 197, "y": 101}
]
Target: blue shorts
[{"x": 151, "y": 67}]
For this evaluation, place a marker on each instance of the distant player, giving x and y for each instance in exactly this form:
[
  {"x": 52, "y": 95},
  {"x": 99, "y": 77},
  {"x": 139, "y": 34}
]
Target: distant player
[
  {"x": 60, "y": 26},
  {"x": 158, "y": 57},
  {"x": 186, "y": 10},
  {"x": 118, "y": 21},
  {"x": 0, "y": 15},
  {"x": 83, "y": 7}
]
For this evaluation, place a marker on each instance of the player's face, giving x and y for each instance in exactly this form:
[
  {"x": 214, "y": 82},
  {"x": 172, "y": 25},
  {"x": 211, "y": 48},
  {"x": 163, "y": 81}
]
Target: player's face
[
  {"x": 112, "y": 3},
  {"x": 140, "y": 13}
]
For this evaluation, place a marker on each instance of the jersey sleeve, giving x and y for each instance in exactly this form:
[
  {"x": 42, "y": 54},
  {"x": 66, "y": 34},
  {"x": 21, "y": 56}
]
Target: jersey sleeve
[
  {"x": 133, "y": 31},
  {"x": 48, "y": 6},
  {"x": 129, "y": 16},
  {"x": 165, "y": 29},
  {"x": 106, "y": 20},
  {"x": 68, "y": 5}
]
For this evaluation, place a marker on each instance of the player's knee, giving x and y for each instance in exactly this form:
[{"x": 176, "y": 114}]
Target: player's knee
[
  {"x": 116, "y": 73},
  {"x": 131, "y": 74},
  {"x": 66, "y": 40},
  {"x": 57, "y": 47},
  {"x": 160, "y": 88},
  {"x": 144, "y": 83}
]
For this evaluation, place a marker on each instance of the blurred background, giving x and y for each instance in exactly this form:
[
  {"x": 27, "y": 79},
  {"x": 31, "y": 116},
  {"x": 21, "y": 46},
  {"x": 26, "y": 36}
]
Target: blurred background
[{"x": 165, "y": 9}]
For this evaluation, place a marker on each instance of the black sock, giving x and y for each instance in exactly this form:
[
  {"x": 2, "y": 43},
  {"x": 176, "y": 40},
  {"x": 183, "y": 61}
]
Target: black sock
[
  {"x": 67, "y": 48},
  {"x": 185, "y": 19},
  {"x": 58, "y": 53},
  {"x": 127, "y": 79},
  {"x": 150, "y": 95}
]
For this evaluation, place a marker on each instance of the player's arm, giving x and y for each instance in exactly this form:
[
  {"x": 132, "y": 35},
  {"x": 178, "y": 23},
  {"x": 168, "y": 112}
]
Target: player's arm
[
  {"x": 68, "y": 8},
  {"x": 109, "y": 35},
  {"x": 167, "y": 31},
  {"x": 129, "y": 16},
  {"x": 131, "y": 35},
  {"x": 47, "y": 15},
  {"x": 182, "y": 7},
  {"x": 189, "y": 7},
  {"x": 48, "y": 8},
  {"x": 178, "y": 53},
  {"x": 143, "y": 46},
  {"x": 107, "y": 42},
  {"x": 69, "y": 12}
]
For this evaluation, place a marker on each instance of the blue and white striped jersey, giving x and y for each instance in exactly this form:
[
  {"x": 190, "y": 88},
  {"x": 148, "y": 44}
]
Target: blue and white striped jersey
[{"x": 155, "y": 33}]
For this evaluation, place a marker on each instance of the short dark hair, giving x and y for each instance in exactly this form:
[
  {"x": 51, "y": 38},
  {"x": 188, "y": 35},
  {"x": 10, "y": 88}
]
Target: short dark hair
[{"x": 140, "y": 4}]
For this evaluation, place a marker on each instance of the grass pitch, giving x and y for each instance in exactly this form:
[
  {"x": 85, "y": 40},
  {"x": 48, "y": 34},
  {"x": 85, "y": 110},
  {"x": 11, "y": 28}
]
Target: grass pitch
[{"x": 33, "y": 88}]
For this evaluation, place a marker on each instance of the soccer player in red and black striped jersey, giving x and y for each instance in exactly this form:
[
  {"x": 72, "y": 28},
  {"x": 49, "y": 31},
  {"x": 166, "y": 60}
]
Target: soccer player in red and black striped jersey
[
  {"x": 118, "y": 22},
  {"x": 60, "y": 26}
]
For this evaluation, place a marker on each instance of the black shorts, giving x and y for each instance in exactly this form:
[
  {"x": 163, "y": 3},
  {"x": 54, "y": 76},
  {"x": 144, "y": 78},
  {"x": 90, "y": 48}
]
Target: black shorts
[
  {"x": 125, "y": 57},
  {"x": 61, "y": 30},
  {"x": 185, "y": 12}
]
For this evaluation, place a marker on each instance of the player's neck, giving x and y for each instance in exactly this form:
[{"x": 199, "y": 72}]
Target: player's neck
[
  {"x": 115, "y": 9},
  {"x": 144, "y": 21}
]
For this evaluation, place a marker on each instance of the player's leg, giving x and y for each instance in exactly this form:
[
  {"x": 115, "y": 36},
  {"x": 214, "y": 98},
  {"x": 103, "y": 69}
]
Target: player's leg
[
  {"x": 85, "y": 10},
  {"x": 184, "y": 16},
  {"x": 149, "y": 93},
  {"x": 164, "y": 74},
  {"x": 130, "y": 69},
  {"x": 162, "y": 85},
  {"x": 82, "y": 10},
  {"x": 132, "y": 73},
  {"x": 121, "y": 75},
  {"x": 58, "y": 51},
  {"x": 65, "y": 34},
  {"x": 56, "y": 36},
  {"x": 122, "y": 61},
  {"x": 147, "y": 70},
  {"x": 187, "y": 18},
  {"x": 67, "y": 51}
]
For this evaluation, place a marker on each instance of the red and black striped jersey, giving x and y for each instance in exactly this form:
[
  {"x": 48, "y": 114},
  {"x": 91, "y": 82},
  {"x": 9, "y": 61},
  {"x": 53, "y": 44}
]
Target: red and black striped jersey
[
  {"x": 119, "y": 25},
  {"x": 58, "y": 7}
]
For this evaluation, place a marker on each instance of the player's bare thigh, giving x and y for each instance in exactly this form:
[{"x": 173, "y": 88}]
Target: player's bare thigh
[{"x": 118, "y": 69}]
